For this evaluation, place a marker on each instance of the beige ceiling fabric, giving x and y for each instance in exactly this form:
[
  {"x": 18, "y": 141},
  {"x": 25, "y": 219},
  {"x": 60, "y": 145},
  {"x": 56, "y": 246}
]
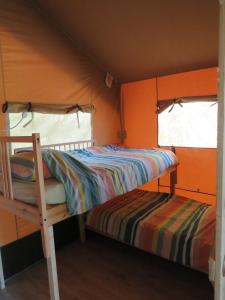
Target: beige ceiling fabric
[
  {"x": 164, "y": 104},
  {"x": 141, "y": 39},
  {"x": 40, "y": 63}
]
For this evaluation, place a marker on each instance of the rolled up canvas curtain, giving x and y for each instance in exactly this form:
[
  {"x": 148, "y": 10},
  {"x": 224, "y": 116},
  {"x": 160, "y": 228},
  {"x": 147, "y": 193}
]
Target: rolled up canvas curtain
[
  {"x": 164, "y": 104},
  {"x": 16, "y": 107}
]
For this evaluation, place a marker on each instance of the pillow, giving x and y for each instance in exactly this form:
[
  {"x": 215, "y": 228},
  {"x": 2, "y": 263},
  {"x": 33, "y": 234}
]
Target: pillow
[{"x": 23, "y": 168}]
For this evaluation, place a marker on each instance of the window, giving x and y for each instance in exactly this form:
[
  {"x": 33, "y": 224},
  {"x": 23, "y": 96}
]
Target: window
[
  {"x": 53, "y": 128},
  {"x": 192, "y": 125}
]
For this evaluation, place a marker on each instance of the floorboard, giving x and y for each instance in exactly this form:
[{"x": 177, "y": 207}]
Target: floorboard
[{"x": 103, "y": 269}]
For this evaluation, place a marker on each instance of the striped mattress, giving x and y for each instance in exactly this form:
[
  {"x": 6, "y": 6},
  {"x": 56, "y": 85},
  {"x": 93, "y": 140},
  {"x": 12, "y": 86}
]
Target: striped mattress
[{"x": 176, "y": 228}]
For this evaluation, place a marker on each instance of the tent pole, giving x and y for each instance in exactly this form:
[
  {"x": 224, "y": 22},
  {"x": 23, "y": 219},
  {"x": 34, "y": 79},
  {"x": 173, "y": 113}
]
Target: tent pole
[
  {"x": 220, "y": 211},
  {"x": 2, "y": 280}
]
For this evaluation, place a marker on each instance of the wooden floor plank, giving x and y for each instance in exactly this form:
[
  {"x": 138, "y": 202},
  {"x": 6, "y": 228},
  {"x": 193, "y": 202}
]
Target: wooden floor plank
[{"x": 104, "y": 269}]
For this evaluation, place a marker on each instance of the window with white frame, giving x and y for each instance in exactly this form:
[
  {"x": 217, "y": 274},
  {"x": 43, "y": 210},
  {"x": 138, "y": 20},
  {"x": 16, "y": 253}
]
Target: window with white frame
[
  {"x": 192, "y": 124},
  {"x": 53, "y": 128}
]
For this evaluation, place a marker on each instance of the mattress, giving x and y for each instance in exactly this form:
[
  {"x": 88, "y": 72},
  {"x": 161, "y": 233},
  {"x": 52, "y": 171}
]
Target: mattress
[
  {"x": 25, "y": 191},
  {"x": 175, "y": 228}
]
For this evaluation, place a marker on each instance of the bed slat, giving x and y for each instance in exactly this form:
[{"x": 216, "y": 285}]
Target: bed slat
[{"x": 63, "y": 146}]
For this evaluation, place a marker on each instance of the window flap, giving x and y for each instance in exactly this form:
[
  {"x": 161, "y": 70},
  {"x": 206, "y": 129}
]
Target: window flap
[
  {"x": 164, "y": 104},
  {"x": 17, "y": 107}
]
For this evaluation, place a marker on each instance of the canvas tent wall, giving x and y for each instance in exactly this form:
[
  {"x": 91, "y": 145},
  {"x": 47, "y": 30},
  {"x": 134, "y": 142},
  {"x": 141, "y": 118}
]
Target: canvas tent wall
[{"x": 40, "y": 64}]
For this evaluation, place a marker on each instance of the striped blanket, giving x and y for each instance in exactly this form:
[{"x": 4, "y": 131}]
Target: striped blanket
[
  {"x": 176, "y": 228},
  {"x": 95, "y": 175}
]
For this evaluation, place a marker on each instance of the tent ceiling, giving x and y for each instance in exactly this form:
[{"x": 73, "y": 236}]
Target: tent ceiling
[{"x": 138, "y": 39}]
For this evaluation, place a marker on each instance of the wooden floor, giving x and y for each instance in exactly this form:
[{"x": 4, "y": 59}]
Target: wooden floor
[{"x": 102, "y": 269}]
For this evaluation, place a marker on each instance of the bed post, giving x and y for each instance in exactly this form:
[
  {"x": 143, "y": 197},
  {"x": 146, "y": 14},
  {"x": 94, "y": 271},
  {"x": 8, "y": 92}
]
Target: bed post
[
  {"x": 52, "y": 267},
  {"x": 81, "y": 225},
  {"x": 46, "y": 232},
  {"x": 2, "y": 280},
  {"x": 7, "y": 191},
  {"x": 173, "y": 176}
]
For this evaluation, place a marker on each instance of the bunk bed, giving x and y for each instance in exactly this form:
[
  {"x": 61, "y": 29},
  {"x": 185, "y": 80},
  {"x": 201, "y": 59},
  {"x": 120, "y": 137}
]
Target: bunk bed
[{"x": 41, "y": 213}]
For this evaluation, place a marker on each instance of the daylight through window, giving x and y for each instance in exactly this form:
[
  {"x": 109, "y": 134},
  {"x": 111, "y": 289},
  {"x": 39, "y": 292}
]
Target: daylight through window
[
  {"x": 53, "y": 128},
  {"x": 193, "y": 125}
]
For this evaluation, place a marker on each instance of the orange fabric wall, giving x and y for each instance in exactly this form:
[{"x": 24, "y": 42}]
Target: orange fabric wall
[
  {"x": 7, "y": 220},
  {"x": 197, "y": 170},
  {"x": 140, "y": 121},
  {"x": 195, "y": 83}
]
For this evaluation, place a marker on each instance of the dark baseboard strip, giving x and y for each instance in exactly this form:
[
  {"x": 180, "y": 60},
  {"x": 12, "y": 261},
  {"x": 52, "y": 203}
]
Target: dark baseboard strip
[{"x": 22, "y": 253}]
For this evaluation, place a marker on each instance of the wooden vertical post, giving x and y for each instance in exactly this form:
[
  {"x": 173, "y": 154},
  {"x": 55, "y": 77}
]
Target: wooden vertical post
[
  {"x": 173, "y": 181},
  {"x": 173, "y": 177},
  {"x": 40, "y": 194},
  {"x": 220, "y": 211},
  {"x": 52, "y": 267},
  {"x": 2, "y": 280},
  {"x": 46, "y": 232}
]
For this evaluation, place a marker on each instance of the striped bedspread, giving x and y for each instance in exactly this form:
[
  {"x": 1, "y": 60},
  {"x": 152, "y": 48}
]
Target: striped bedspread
[
  {"x": 176, "y": 228},
  {"x": 97, "y": 174}
]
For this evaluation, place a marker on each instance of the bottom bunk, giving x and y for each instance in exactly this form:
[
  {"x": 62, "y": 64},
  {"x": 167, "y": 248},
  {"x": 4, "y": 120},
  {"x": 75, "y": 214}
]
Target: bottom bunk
[{"x": 173, "y": 227}]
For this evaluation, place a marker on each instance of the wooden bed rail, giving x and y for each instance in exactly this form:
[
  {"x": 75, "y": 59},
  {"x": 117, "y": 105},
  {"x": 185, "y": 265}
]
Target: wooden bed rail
[
  {"x": 17, "y": 139},
  {"x": 17, "y": 207},
  {"x": 7, "y": 200},
  {"x": 36, "y": 214},
  {"x": 30, "y": 212},
  {"x": 39, "y": 215},
  {"x": 5, "y": 168},
  {"x": 63, "y": 146}
]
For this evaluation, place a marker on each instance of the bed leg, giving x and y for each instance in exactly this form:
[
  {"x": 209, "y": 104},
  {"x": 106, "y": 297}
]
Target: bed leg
[
  {"x": 173, "y": 181},
  {"x": 52, "y": 268},
  {"x": 2, "y": 280},
  {"x": 173, "y": 176},
  {"x": 81, "y": 224}
]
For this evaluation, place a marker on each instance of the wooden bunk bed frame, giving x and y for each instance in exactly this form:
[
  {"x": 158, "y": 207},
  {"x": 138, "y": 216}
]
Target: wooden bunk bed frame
[{"x": 43, "y": 215}]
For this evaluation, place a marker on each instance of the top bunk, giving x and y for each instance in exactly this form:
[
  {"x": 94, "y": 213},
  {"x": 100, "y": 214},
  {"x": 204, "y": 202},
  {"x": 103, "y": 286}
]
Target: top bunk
[{"x": 71, "y": 178}]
